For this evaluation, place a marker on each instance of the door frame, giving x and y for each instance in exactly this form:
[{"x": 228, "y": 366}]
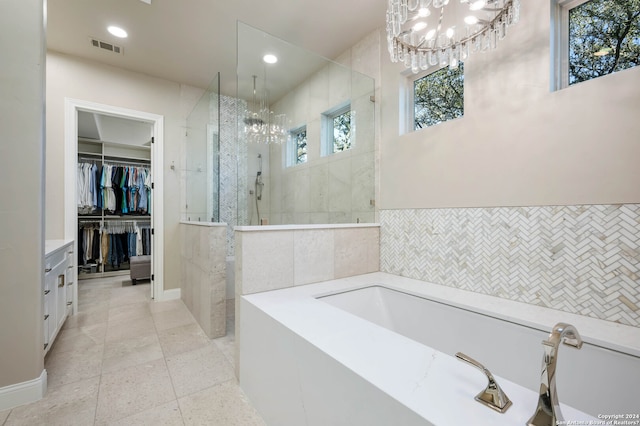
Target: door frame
[{"x": 71, "y": 108}]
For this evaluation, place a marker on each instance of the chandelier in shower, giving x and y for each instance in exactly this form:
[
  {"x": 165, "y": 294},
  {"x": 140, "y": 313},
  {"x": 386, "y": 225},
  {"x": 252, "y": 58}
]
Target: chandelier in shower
[
  {"x": 261, "y": 125},
  {"x": 437, "y": 33}
]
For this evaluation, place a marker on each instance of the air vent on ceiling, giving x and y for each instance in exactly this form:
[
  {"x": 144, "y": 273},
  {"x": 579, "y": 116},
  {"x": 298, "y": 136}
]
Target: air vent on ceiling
[{"x": 106, "y": 46}]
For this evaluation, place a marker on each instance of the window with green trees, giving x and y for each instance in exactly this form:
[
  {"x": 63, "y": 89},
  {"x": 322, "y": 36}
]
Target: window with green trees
[
  {"x": 342, "y": 131},
  {"x": 337, "y": 130},
  {"x": 438, "y": 97},
  {"x": 299, "y": 145},
  {"x": 603, "y": 37}
]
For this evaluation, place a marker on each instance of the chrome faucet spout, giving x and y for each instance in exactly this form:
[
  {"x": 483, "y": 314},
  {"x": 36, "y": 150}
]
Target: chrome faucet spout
[{"x": 548, "y": 410}]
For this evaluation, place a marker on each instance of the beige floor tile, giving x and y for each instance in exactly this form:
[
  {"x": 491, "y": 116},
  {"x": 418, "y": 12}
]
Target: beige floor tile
[
  {"x": 79, "y": 338},
  {"x": 123, "y": 359},
  {"x": 69, "y": 367},
  {"x": 168, "y": 305},
  {"x": 221, "y": 405},
  {"x": 107, "y": 282},
  {"x": 130, "y": 311},
  {"x": 181, "y": 339},
  {"x": 93, "y": 295},
  {"x": 124, "y": 353},
  {"x": 199, "y": 369},
  {"x": 93, "y": 302},
  {"x": 72, "y": 404},
  {"x": 3, "y": 416},
  {"x": 133, "y": 390},
  {"x": 87, "y": 318},
  {"x": 174, "y": 318},
  {"x": 227, "y": 345},
  {"x": 128, "y": 295},
  {"x": 126, "y": 329},
  {"x": 164, "y": 415}
]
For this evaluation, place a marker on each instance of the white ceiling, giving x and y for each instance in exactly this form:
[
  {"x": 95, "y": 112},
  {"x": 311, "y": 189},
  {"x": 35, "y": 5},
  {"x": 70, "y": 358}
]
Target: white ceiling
[
  {"x": 107, "y": 128},
  {"x": 188, "y": 41}
]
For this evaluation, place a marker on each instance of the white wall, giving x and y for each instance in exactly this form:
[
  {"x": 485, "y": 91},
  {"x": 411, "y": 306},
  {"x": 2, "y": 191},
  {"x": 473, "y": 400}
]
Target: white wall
[
  {"x": 76, "y": 78},
  {"x": 543, "y": 185},
  {"x": 22, "y": 43},
  {"x": 518, "y": 144}
]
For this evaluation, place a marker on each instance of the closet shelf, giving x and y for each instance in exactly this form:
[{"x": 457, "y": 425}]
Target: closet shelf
[{"x": 118, "y": 144}]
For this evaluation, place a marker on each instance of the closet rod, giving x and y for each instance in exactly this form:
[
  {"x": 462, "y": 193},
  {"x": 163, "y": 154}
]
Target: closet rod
[{"x": 125, "y": 221}]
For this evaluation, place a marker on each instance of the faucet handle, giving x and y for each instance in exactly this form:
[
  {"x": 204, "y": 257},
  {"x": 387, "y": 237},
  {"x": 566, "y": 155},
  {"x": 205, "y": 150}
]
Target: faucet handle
[{"x": 493, "y": 396}]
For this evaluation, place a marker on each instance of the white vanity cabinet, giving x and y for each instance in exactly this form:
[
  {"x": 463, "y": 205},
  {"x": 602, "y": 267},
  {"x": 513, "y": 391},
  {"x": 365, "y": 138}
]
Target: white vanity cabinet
[{"x": 58, "y": 287}]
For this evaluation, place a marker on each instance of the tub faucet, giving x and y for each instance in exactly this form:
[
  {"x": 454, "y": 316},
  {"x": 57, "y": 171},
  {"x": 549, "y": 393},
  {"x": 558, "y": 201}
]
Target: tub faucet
[{"x": 548, "y": 411}]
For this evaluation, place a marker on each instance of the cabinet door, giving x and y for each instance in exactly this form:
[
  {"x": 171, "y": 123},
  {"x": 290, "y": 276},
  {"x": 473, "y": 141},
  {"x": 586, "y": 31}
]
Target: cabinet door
[
  {"x": 69, "y": 284},
  {"x": 47, "y": 306},
  {"x": 50, "y": 301}
]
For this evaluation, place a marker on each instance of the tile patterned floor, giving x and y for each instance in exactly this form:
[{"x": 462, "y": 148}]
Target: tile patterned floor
[{"x": 123, "y": 360}]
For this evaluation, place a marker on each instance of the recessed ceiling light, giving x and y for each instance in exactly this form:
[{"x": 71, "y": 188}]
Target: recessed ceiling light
[
  {"x": 270, "y": 59},
  {"x": 117, "y": 31}
]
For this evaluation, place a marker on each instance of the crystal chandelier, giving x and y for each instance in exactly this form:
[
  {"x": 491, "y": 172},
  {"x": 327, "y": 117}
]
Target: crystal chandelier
[
  {"x": 261, "y": 125},
  {"x": 426, "y": 33}
]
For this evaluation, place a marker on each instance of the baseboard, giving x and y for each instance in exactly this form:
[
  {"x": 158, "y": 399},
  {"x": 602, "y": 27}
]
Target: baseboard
[
  {"x": 171, "y": 294},
  {"x": 23, "y": 393}
]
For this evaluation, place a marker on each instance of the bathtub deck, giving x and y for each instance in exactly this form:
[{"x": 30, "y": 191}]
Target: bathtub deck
[{"x": 433, "y": 385}]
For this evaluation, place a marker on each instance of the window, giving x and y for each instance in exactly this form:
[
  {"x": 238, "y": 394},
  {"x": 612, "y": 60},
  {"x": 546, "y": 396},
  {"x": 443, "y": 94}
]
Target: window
[
  {"x": 438, "y": 97},
  {"x": 337, "y": 130},
  {"x": 597, "y": 37},
  {"x": 297, "y": 146}
]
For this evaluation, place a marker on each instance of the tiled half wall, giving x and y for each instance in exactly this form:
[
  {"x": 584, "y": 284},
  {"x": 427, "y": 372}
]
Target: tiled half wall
[
  {"x": 203, "y": 279},
  {"x": 579, "y": 259}
]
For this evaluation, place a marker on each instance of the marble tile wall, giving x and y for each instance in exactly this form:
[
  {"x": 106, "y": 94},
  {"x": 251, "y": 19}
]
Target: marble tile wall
[
  {"x": 274, "y": 259},
  {"x": 579, "y": 259},
  {"x": 203, "y": 275},
  {"x": 337, "y": 188},
  {"x": 233, "y": 168},
  {"x": 280, "y": 258}
]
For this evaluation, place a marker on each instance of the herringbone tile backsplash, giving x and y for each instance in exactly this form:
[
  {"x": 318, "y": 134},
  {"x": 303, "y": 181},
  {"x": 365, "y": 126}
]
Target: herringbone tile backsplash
[{"x": 579, "y": 259}]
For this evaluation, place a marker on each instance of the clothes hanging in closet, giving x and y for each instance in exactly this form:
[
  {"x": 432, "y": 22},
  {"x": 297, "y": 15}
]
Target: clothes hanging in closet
[
  {"x": 114, "y": 243},
  {"x": 89, "y": 243},
  {"x": 87, "y": 188},
  {"x": 128, "y": 189},
  {"x": 116, "y": 189}
]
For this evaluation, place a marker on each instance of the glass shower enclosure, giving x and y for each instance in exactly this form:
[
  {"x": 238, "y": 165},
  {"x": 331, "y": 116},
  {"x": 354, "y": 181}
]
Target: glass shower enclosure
[
  {"x": 201, "y": 172},
  {"x": 313, "y": 162}
]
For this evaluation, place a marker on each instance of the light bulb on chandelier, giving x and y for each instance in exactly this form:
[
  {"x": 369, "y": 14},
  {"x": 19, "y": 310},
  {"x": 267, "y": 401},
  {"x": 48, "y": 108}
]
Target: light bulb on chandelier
[{"x": 424, "y": 33}]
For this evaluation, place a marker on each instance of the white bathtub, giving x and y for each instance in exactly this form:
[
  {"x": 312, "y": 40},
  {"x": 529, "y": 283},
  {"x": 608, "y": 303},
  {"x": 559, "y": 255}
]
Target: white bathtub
[{"x": 355, "y": 352}]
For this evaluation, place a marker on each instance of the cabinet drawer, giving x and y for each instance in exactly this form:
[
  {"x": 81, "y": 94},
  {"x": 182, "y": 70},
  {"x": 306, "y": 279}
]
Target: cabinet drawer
[{"x": 54, "y": 259}]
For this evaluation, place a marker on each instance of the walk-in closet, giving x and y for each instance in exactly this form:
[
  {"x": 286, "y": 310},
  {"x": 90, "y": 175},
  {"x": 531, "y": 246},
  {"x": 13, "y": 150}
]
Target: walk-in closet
[{"x": 114, "y": 196}]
